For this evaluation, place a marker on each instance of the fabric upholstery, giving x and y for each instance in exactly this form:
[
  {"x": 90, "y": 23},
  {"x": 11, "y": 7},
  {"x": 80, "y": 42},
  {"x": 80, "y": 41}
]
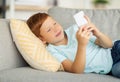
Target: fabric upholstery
[
  {"x": 9, "y": 55},
  {"x": 27, "y": 74}
]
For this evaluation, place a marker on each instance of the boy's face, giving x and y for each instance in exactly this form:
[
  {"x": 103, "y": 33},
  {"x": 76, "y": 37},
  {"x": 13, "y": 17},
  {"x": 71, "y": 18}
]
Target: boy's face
[{"x": 51, "y": 32}]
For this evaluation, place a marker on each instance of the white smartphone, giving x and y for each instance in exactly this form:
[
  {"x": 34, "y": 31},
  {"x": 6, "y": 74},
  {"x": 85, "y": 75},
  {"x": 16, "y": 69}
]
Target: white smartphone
[{"x": 80, "y": 19}]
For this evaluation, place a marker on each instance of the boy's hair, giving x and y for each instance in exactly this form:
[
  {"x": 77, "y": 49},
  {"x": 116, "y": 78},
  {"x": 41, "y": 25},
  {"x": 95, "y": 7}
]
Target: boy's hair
[{"x": 35, "y": 22}]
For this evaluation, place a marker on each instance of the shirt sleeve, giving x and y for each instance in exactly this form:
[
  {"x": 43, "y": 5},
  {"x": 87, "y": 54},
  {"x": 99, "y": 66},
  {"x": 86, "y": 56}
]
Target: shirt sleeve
[{"x": 56, "y": 54}]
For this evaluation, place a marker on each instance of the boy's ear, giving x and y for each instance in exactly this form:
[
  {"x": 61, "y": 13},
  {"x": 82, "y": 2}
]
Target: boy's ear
[{"x": 42, "y": 39}]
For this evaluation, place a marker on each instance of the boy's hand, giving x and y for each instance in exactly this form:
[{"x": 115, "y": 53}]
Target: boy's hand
[
  {"x": 83, "y": 36},
  {"x": 92, "y": 28}
]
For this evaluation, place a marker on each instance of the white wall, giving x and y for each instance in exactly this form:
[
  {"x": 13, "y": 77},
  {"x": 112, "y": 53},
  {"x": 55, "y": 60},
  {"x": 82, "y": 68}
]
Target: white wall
[
  {"x": 114, "y": 4},
  {"x": 71, "y": 3},
  {"x": 23, "y": 14},
  {"x": 86, "y": 4}
]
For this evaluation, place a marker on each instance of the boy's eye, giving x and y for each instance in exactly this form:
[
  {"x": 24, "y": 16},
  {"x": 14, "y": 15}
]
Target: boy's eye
[
  {"x": 55, "y": 23},
  {"x": 48, "y": 30}
]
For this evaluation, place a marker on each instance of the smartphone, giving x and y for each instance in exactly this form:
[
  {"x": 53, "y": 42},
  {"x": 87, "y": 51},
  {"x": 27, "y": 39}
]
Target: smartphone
[{"x": 80, "y": 19}]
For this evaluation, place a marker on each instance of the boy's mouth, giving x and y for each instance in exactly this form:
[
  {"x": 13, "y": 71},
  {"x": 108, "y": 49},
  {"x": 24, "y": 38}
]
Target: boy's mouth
[{"x": 58, "y": 33}]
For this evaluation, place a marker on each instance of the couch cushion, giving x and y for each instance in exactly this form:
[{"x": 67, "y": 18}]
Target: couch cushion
[
  {"x": 27, "y": 74},
  {"x": 9, "y": 56},
  {"x": 108, "y": 21},
  {"x": 31, "y": 48}
]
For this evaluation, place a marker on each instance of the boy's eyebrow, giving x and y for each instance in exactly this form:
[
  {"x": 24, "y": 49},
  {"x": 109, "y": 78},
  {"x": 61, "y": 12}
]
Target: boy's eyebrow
[{"x": 54, "y": 23}]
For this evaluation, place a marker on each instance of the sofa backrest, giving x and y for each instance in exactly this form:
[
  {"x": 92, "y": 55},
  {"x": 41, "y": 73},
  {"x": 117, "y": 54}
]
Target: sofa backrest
[
  {"x": 108, "y": 21},
  {"x": 9, "y": 55}
]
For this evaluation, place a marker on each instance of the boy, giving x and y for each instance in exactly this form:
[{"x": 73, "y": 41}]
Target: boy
[{"x": 75, "y": 48}]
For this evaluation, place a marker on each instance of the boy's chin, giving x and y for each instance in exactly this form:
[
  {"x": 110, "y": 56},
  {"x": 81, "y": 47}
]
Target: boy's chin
[{"x": 45, "y": 44}]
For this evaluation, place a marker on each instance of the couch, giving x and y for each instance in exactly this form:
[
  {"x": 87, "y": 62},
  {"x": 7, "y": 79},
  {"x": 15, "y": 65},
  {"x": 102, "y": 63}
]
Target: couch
[{"x": 13, "y": 67}]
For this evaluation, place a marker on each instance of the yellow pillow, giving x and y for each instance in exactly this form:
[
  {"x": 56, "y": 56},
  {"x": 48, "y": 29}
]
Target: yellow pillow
[{"x": 32, "y": 48}]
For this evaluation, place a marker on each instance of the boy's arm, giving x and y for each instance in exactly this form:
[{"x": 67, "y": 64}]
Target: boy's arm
[
  {"x": 79, "y": 63},
  {"x": 103, "y": 40}
]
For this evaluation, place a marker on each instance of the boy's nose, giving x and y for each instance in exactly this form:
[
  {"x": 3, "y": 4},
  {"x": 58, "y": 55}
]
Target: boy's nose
[{"x": 55, "y": 29}]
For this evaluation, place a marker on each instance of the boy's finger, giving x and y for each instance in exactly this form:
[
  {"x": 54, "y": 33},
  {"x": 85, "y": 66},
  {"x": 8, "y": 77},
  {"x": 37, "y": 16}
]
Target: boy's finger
[
  {"x": 90, "y": 29},
  {"x": 87, "y": 18},
  {"x": 80, "y": 29},
  {"x": 85, "y": 32}
]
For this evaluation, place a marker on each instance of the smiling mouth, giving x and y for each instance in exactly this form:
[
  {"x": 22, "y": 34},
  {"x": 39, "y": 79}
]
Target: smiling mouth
[{"x": 58, "y": 34}]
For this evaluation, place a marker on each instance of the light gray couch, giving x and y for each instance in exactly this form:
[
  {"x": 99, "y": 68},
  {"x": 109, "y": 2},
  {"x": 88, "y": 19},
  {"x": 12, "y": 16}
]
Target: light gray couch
[{"x": 13, "y": 68}]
